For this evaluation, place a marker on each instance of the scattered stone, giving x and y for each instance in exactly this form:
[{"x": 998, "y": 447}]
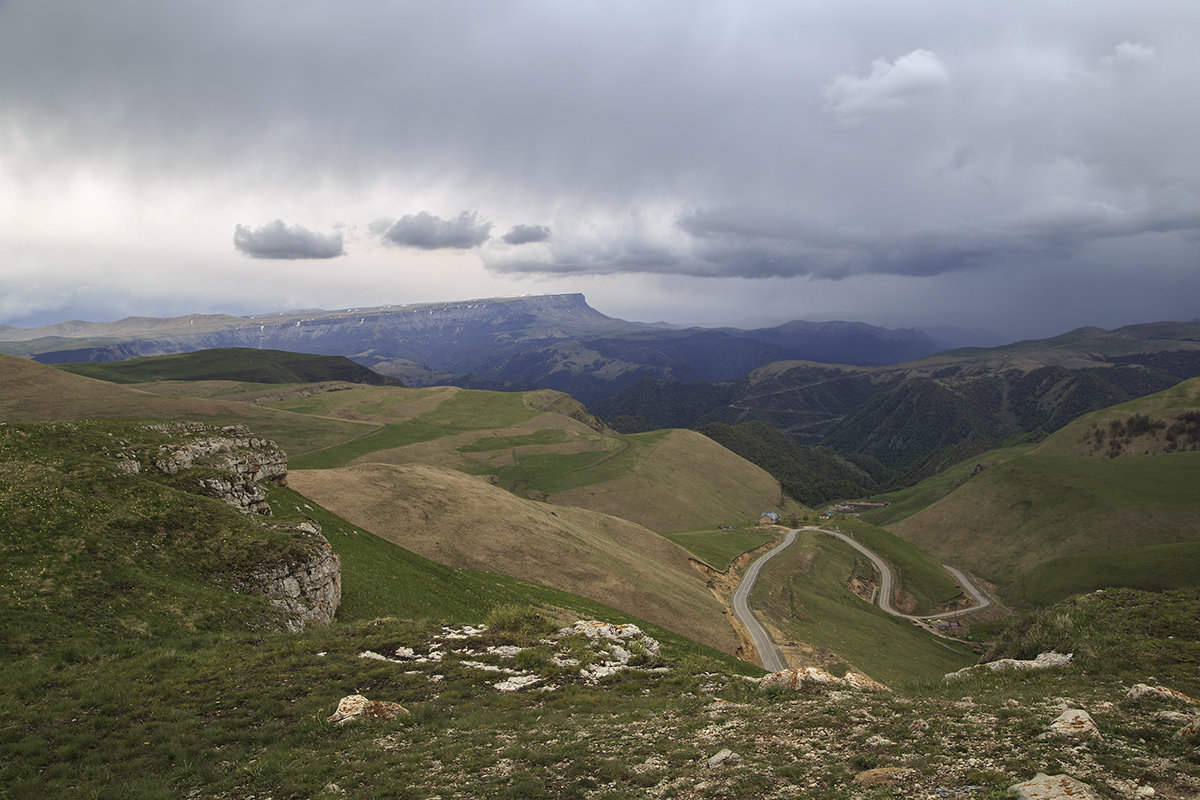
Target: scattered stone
[
  {"x": 1043, "y": 661},
  {"x": 1190, "y": 729},
  {"x": 355, "y": 707},
  {"x": 1074, "y": 722},
  {"x": 1139, "y": 690},
  {"x": 883, "y": 776},
  {"x": 1052, "y": 787},
  {"x": 878, "y": 741},
  {"x": 1012, "y": 703},
  {"x": 505, "y": 651},
  {"x": 724, "y": 756},
  {"x": 594, "y": 629},
  {"x": 795, "y": 678},
  {"x": 517, "y": 682},
  {"x": 651, "y": 764}
]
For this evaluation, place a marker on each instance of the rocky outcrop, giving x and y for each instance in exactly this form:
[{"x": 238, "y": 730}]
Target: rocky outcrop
[
  {"x": 1190, "y": 722},
  {"x": 796, "y": 678},
  {"x": 1043, "y": 661},
  {"x": 309, "y": 589},
  {"x": 243, "y": 461}
]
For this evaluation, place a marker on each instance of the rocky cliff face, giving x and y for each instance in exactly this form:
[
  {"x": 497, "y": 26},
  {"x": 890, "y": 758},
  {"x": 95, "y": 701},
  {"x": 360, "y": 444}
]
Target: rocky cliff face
[
  {"x": 233, "y": 464},
  {"x": 309, "y": 589},
  {"x": 242, "y": 460}
]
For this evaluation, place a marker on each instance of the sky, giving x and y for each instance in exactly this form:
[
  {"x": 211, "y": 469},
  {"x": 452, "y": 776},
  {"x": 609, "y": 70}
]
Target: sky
[{"x": 1025, "y": 167}]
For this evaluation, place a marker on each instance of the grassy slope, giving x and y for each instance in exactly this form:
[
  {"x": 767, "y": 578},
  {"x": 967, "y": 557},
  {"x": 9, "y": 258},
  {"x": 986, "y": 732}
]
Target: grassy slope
[
  {"x": 803, "y": 592},
  {"x": 1051, "y": 504},
  {"x": 909, "y": 500},
  {"x": 664, "y": 480},
  {"x": 127, "y": 671},
  {"x": 1075, "y": 440},
  {"x": 1017, "y": 516},
  {"x": 230, "y": 713},
  {"x": 34, "y": 392},
  {"x": 718, "y": 548},
  {"x": 464, "y": 521},
  {"x": 112, "y": 556}
]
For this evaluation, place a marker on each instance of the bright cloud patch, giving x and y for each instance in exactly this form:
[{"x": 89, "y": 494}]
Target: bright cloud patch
[{"x": 888, "y": 86}]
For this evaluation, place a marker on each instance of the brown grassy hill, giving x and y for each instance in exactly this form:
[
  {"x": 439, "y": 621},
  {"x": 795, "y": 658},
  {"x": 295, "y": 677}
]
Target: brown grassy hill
[
  {"x": 464, "y": 521},
  {"x": 542, "y": 445},
  {"x": 33, "y": 392},
  {"x": 682, "y": 481}
]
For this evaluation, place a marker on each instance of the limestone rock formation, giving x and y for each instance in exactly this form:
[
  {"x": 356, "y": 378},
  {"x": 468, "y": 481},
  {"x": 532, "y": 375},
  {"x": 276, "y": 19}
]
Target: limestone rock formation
[
  {"x": 795, "y": 678},
  {"x": 309, "y": 589},
  {"x": 1074, "y": 723},
  {"x": 1043, "y": 661},
  {"x": 243, "y": 460}
]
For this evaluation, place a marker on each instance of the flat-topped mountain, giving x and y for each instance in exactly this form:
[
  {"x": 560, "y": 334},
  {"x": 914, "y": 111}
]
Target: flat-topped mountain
[{"x": 548, "y": 341}]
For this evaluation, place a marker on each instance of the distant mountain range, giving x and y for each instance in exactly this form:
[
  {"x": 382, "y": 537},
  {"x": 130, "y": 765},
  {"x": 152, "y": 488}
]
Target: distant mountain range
[
  {"x": 920, "y": 416},
  {"x": 549, "y": 341}
]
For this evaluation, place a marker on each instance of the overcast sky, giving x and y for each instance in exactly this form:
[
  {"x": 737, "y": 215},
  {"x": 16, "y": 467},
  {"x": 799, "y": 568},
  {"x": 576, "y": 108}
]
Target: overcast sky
[{"x": 1029, "y": 167}]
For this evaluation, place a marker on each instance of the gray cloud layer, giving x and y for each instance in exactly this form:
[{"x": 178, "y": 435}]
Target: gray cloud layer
[
  {"x": 820, "y": 141},
  {"x": 429, "y": 232},
  {"x": 279, "y": 240}
]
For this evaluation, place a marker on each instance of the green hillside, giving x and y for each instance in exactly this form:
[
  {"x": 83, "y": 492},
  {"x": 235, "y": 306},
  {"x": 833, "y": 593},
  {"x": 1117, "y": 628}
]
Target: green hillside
[
  {"x": 232, "y": 364},
  {"x": 130, "y": 668},
  {"x": 1075, "y": 513}
]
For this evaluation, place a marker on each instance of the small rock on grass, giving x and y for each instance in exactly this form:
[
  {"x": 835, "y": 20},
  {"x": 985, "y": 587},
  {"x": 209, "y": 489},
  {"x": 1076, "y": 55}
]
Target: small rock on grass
[
  {"x": 1053, "y": 787},
  {"x": 355, "y": 707},
  {"x": 724, "y": 756},
  {"x": 1074, "y": 722}
]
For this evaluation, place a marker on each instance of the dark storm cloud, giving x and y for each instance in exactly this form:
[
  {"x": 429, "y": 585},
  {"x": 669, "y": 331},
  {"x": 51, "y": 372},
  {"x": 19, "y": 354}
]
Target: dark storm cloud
[
  {"x": 280, "y": 240},
  {"x": 745, "y": 243},
  {"x": 527, "y": 234},
  {"x": 430, "y": 232}
]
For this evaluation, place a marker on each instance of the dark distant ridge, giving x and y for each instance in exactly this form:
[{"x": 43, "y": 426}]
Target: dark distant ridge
[
  {"x": 233, "y": 364},
  {"x": 546, "y": 341},
  {"x": 899, "y": 423}
]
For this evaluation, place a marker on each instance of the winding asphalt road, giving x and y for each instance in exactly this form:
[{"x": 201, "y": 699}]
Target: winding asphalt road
[{"x": 769, "y": 652}]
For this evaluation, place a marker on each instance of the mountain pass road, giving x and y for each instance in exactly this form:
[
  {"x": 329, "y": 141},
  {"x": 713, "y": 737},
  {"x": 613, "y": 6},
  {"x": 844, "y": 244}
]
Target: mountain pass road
[{"x": 770, "y": 654}]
